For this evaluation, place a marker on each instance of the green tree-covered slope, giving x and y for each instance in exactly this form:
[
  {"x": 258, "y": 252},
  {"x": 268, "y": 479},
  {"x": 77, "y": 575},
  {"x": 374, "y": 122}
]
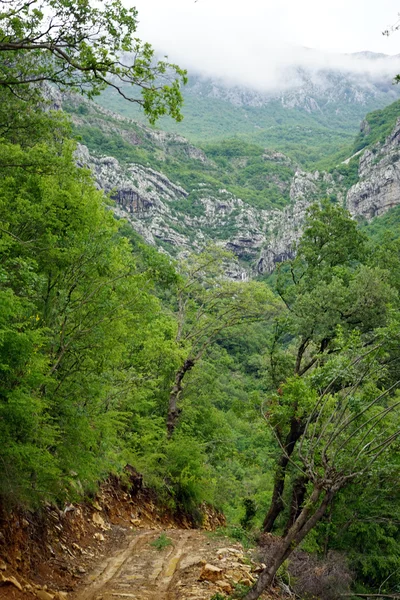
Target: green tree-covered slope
[
  {"x": 280, "y": 395},
  {"x": 307, "y": 124}
]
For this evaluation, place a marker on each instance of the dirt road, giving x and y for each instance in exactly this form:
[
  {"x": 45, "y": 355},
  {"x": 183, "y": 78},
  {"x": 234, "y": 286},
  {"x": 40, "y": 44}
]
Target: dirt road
[
  {"x": 104, "y": 550},
  {"x": 139, "y": 571},
  {"x": 142, "y": 572}
]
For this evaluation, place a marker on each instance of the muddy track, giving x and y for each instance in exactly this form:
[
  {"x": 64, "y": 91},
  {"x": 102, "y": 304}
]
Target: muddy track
[{"x": 140, "y": 571}]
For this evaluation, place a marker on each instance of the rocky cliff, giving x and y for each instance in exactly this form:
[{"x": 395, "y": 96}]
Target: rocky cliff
[
  {"x": 378, "y": 188},
  {"x": 179, "y": 217},
  {"x": 376, "y": 192}
]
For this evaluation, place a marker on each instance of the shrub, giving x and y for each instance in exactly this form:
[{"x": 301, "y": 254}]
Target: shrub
[
  {"x": 161, "y": 542},
  {"x": 313, "y": 577}
]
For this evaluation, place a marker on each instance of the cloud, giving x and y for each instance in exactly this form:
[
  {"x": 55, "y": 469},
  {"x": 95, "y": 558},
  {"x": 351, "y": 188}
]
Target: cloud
[
  {"x": 246, "y": 42},
  {"x": 282, "y": 67}
]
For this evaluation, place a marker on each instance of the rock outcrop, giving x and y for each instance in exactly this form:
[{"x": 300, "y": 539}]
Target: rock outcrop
[
  {"x": 376, "y": 192},
  {"x": 156, "y": 209},
  {"x": 378, "y": 188},
  {"x": 181, "y": 218}
]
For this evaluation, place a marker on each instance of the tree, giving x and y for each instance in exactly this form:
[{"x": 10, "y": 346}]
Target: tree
[
  {"x": 349, "y": 433},
  {"x": 326, "y": 285},
  {"x": 83, "y": 47},
  {"x": 79, "y": 327},
  {"x": 207, "y": 305}
]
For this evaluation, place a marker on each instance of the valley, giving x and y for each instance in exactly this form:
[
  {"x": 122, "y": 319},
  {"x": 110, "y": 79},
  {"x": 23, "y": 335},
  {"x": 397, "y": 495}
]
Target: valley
[
  {"x": 251, "y": 200},
  {"x": 199, "y": 312}
]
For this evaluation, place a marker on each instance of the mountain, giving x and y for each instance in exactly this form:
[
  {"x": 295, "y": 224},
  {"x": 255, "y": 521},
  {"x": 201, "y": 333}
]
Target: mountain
[
  {"x": 246, "y": 198},
  {"x": 308, "y": 109}
]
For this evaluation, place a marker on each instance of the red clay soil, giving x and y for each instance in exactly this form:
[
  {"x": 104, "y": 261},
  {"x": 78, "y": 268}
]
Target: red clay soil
[{"x": 54, "y": 550}]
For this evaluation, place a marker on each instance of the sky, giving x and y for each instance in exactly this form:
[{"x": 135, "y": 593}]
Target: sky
[{"x": 250, "y": 41}]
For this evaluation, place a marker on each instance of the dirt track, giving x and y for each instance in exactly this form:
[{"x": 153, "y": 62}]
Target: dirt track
[
  {"x": 143, "y": 572},
  {"x": 103, "y": 551}
]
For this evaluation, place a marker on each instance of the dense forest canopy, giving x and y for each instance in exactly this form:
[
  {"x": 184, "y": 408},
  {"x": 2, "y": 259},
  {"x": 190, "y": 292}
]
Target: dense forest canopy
[{"x": 275, "y": 400}]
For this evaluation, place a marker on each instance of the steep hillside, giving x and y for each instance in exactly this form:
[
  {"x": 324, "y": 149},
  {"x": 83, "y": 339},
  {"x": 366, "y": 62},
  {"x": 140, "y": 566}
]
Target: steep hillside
[
  {"x": 259, "y": 177},
  {"x": 313, "y": 113},
  {"x": 251, "y": 200}
]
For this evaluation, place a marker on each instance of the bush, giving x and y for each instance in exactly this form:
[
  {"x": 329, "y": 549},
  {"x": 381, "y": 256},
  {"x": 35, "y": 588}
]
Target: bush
[{"x": 313, "y": 577}]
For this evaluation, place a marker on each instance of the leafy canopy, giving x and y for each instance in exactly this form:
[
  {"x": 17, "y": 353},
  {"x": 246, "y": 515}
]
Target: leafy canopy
[{"x": 84, "y": 47}]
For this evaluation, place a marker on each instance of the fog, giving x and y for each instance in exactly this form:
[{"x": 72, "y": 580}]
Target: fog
[
  {"x": 262, "y": 44},
  {"x": 281, "y": 68}
]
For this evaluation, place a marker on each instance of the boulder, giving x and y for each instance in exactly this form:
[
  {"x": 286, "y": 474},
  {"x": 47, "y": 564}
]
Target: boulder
[
  {"x": 43, "y": 595},
  {"x": 211, "y": 573},
  {"x": 225, "y": 587}
]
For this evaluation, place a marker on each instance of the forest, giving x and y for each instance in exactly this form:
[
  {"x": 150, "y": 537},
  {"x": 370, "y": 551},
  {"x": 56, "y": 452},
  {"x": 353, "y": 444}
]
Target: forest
[{"x": 275, "y": 400}]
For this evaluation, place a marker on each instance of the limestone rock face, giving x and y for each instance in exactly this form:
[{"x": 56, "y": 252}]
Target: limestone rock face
[
  {"x": 180, "y": 219},
  {"x": 378, "y": 189},
  {"x": 285, "y": 226},
  {"x": 155, "y": 207},
  {"x": 376, "y": 192}
]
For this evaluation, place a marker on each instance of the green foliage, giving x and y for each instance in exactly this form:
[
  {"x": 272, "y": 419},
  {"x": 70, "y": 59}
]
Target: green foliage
[
  {"x": 79, "y": 327},
  {"x": 283, "y": 573},
  {"x": 305, "y": 137},
  {"x": 328, "y": 284},
  {"x": 250, "y": 512},
  {"x": 240, "y": 590},
  {"x": 378, "y": 125},
  {"x": 348, "y": 171},
  {"x": 85, "y": 48},
  {"x": 185, "y": 470},
  {"x": 161, "y": 542},
  {"x": 239, "y": 534},
  {"x": 385, "y": 228}
]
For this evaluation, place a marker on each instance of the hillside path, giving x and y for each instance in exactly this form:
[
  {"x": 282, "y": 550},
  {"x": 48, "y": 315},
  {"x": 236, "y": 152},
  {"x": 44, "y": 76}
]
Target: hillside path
[{"x": 140, "y": 571}]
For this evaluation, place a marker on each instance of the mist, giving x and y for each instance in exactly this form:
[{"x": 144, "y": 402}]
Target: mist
[
  {"x": 280, "y": 68},
  {"x": 263, "y": 45}
]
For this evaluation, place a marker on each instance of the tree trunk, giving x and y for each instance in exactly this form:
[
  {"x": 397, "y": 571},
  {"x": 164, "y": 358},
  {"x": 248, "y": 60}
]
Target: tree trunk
[
  {"x": 276, "y": 506},
  {"x": 304, "y": 523},
  {"x": 173, "y": 408},
  {"x": 298, "y": 495}
]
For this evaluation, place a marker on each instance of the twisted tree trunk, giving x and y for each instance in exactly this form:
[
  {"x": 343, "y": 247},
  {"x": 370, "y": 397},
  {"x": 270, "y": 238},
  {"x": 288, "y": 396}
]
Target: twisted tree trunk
[
  {"x": 277, "y": 505},
  {"x": 173, "y": 408},
  {"x": 298, "y": 495},
  {"x": 305, "y": 522}
]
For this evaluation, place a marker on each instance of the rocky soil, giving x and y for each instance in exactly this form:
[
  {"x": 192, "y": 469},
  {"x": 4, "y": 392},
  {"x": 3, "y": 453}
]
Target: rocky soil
[
  {"x": 193, "y": 566},
  {"x": 110, "y": 548}
]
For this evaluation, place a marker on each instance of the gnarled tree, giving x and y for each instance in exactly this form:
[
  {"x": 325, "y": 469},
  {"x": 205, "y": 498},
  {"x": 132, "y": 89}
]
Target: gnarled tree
[
  {"x": 349, "y": 432},
  {"x": 325, "y": 286}
]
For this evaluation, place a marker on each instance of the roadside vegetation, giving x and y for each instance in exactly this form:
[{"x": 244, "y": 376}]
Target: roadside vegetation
[{"x": 276, "y": 401}]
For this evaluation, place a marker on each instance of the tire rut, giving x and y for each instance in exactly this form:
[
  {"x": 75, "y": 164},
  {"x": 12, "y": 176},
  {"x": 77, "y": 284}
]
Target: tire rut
[{"x": 139, "y": 571}]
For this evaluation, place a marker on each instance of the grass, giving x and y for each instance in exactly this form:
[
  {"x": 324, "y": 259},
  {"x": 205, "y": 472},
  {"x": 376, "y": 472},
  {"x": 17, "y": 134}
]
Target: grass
[{"x": 163, "y": 541}]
